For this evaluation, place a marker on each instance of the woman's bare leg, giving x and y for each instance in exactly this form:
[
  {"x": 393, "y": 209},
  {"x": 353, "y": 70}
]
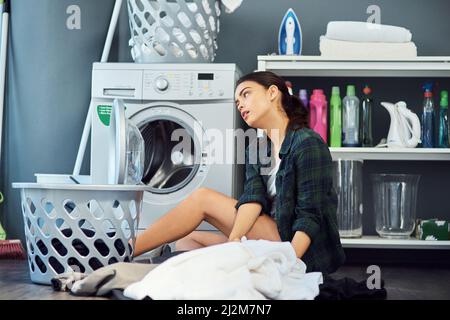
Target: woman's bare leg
[
  {"x": 202, "y": 205},
  {"x": 200, "y": 239}
]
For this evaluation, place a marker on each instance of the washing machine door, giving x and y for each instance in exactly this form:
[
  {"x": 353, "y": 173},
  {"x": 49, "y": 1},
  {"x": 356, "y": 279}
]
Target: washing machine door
[
  {"x": 116, "y": 170},
  {"x": 175, "y": 150},
  {"x": 126, "y": 148}
]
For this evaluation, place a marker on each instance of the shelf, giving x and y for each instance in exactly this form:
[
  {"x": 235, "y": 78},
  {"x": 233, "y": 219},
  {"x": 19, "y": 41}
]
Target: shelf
[
  {"x": 316, "y": 66},
  {"x": 409, "y": 154},
  {"x": 384, "y": 243}
]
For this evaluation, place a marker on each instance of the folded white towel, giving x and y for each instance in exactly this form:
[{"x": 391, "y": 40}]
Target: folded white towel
[
  {"x": 366, "y": 32},
  {"x": 366, "y": 50}
]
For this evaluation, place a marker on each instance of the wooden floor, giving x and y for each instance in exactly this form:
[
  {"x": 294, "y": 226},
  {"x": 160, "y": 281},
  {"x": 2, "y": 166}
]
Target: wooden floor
[{"x": 400, "y": 282}]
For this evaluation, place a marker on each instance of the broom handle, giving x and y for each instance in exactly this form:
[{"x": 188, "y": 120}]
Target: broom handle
[
  {"x": 105, "y": 55},
  {"x": 3, "y": 54}
]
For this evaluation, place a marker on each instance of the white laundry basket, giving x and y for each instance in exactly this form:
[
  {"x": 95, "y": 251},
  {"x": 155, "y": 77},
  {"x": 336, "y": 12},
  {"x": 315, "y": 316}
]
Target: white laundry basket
[
  {"x": 172, "y": 31},
  {"x": 74, "y": 227}
]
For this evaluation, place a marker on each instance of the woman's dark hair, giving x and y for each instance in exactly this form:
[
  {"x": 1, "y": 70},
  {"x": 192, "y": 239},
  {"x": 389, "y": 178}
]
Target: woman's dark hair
[{"x": 292, "y": 105}]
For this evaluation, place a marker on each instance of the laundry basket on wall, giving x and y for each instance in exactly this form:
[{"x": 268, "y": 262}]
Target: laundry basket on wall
[
  {"x": 173, "y": 31},
  {"x": 78, "y": 227}
]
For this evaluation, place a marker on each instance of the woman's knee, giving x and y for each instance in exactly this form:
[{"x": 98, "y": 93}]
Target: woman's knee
[{"x": 200, "y": 195}]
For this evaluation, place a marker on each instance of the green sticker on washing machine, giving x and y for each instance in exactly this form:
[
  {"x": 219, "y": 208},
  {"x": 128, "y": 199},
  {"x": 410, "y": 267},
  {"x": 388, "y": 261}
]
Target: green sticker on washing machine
[{"x": 104, "y": 114}]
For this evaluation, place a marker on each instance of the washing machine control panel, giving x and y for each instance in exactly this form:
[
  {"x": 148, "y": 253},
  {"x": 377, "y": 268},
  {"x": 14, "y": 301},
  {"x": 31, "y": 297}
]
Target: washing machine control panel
[{"x": 187, "y": 85}]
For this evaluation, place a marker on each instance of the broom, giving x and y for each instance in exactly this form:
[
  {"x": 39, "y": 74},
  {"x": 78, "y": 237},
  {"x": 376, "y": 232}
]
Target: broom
[{"x": 9, "y": 249}]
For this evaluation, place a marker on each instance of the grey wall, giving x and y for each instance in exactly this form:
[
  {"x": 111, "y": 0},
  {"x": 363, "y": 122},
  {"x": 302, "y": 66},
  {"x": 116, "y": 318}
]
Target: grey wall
[{"x": 49, "y": 79}]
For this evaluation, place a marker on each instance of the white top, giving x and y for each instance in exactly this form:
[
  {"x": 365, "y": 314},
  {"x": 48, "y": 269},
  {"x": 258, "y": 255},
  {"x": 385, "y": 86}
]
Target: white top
[{"x": 271, "y": 188}]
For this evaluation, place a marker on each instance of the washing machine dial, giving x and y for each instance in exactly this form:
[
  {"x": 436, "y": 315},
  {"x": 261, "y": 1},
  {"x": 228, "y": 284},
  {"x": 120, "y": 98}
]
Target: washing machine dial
[{"x": 161, "y": 84}]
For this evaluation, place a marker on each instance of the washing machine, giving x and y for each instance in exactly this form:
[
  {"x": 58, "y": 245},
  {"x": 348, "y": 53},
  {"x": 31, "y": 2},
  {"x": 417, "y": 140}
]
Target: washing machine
[{"x": 187, "y": 118}]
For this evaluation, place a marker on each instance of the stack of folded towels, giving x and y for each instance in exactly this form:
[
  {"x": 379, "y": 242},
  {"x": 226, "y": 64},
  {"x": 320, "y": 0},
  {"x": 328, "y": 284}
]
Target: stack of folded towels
[{"x": 363, "y": 40}]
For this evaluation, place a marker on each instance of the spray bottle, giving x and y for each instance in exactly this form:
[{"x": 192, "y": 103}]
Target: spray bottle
[{"x": 428, "y": 136}]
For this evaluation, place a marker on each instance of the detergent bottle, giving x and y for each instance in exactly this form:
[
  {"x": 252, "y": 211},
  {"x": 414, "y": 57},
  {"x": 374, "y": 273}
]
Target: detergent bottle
[
  {"x": 335, "y": 118},
  {"x": 428, "y": 117},
  {"x": 318, "y": 115},
  {"x": 303, "y": 95},
  {"x": 443, "y": 120},
  {"x": 366, "y": 118},
  {"x": 350, "y": 119}
]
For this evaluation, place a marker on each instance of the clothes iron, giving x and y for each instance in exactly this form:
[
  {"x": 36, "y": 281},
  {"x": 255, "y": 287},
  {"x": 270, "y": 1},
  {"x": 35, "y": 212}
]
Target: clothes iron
[
  {"x": 405, "y": 130},
  {"x": 290, "y": 35}
]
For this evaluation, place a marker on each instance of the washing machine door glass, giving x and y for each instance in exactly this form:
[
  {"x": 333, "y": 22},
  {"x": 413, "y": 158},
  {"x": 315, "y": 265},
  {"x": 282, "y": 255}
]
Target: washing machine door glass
[
  {"x": 168, "y": 167},
  {"x": 128, "y": 149}
]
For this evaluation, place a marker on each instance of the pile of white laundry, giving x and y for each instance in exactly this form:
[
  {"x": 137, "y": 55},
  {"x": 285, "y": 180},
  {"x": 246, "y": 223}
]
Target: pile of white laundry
[
  {"x": 251, "y": 269},
  {"x": 363, "y": 40}
]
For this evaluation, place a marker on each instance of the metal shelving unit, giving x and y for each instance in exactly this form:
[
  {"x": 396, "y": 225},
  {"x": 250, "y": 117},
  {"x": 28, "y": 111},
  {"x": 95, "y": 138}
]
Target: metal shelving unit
[{"x": 317, "y": 66}]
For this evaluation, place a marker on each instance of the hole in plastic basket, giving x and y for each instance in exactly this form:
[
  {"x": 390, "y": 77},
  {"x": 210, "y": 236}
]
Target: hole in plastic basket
[
  {"x": 162, "y": 35},
  {"x": 140, "y": 5},
  {"x": 125, "y": 226},
  {"x": 126, "y": 259},
  {"x": 175, "y": 49},
  {"x": 42, "y": 226},
  {"x": 63, "y": 228},
  {"x": 40, "y": 264},
  {"x": 76, "y": 265},
  {"x": 195, "y": 36},
  {"x": 192, "y": 7},
  {"x": 112, "y": 260},
  {"x": 56, "y": 265},
  {"x": 117, "y": 210},
  {"x": 108, "y": 228},
  {"x": 217, "y": 6},
  {"x": 118, "y": 244},
  {"x": 101, "y": 247},
  {"x": 32, "y": 266},
  {"x": 31, "y": 206},
  {"x": 179, "y": 35},
  {"x": 59, "y": 247},
  {"x": 184, "y": 19},
  {"x": 41, "y": 246},
  {"x": 204, "y": 51},
  {"x": 137, "y": 20},
  {"x": 149, "y": 18},
  {"x": 173, "y": 5},
  {"x": 80, "y": 247},
  {"x": 95, "y": 263},
  {"x": 191, "y": 50},
  {"x": 206, "y": 7},
  {"x": 32, "y": 231},
  {"x": 159, "y": 48},
  {"x": 200, "y": 21},
  {"x": 95, "y": 208},
  {"x": 212, "y": 23},
  {"x": 28, "y": 223},
  {"x": 48, "y": 208},
  {"x": 71, "y": 208},
  {"x": 154, "y": 4},
  {"x": 133, "y": 209},
  {"x": 168, "y": 21},
  {"x": 87, "y": 228},
  {"x": 30, "y": 247}
]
